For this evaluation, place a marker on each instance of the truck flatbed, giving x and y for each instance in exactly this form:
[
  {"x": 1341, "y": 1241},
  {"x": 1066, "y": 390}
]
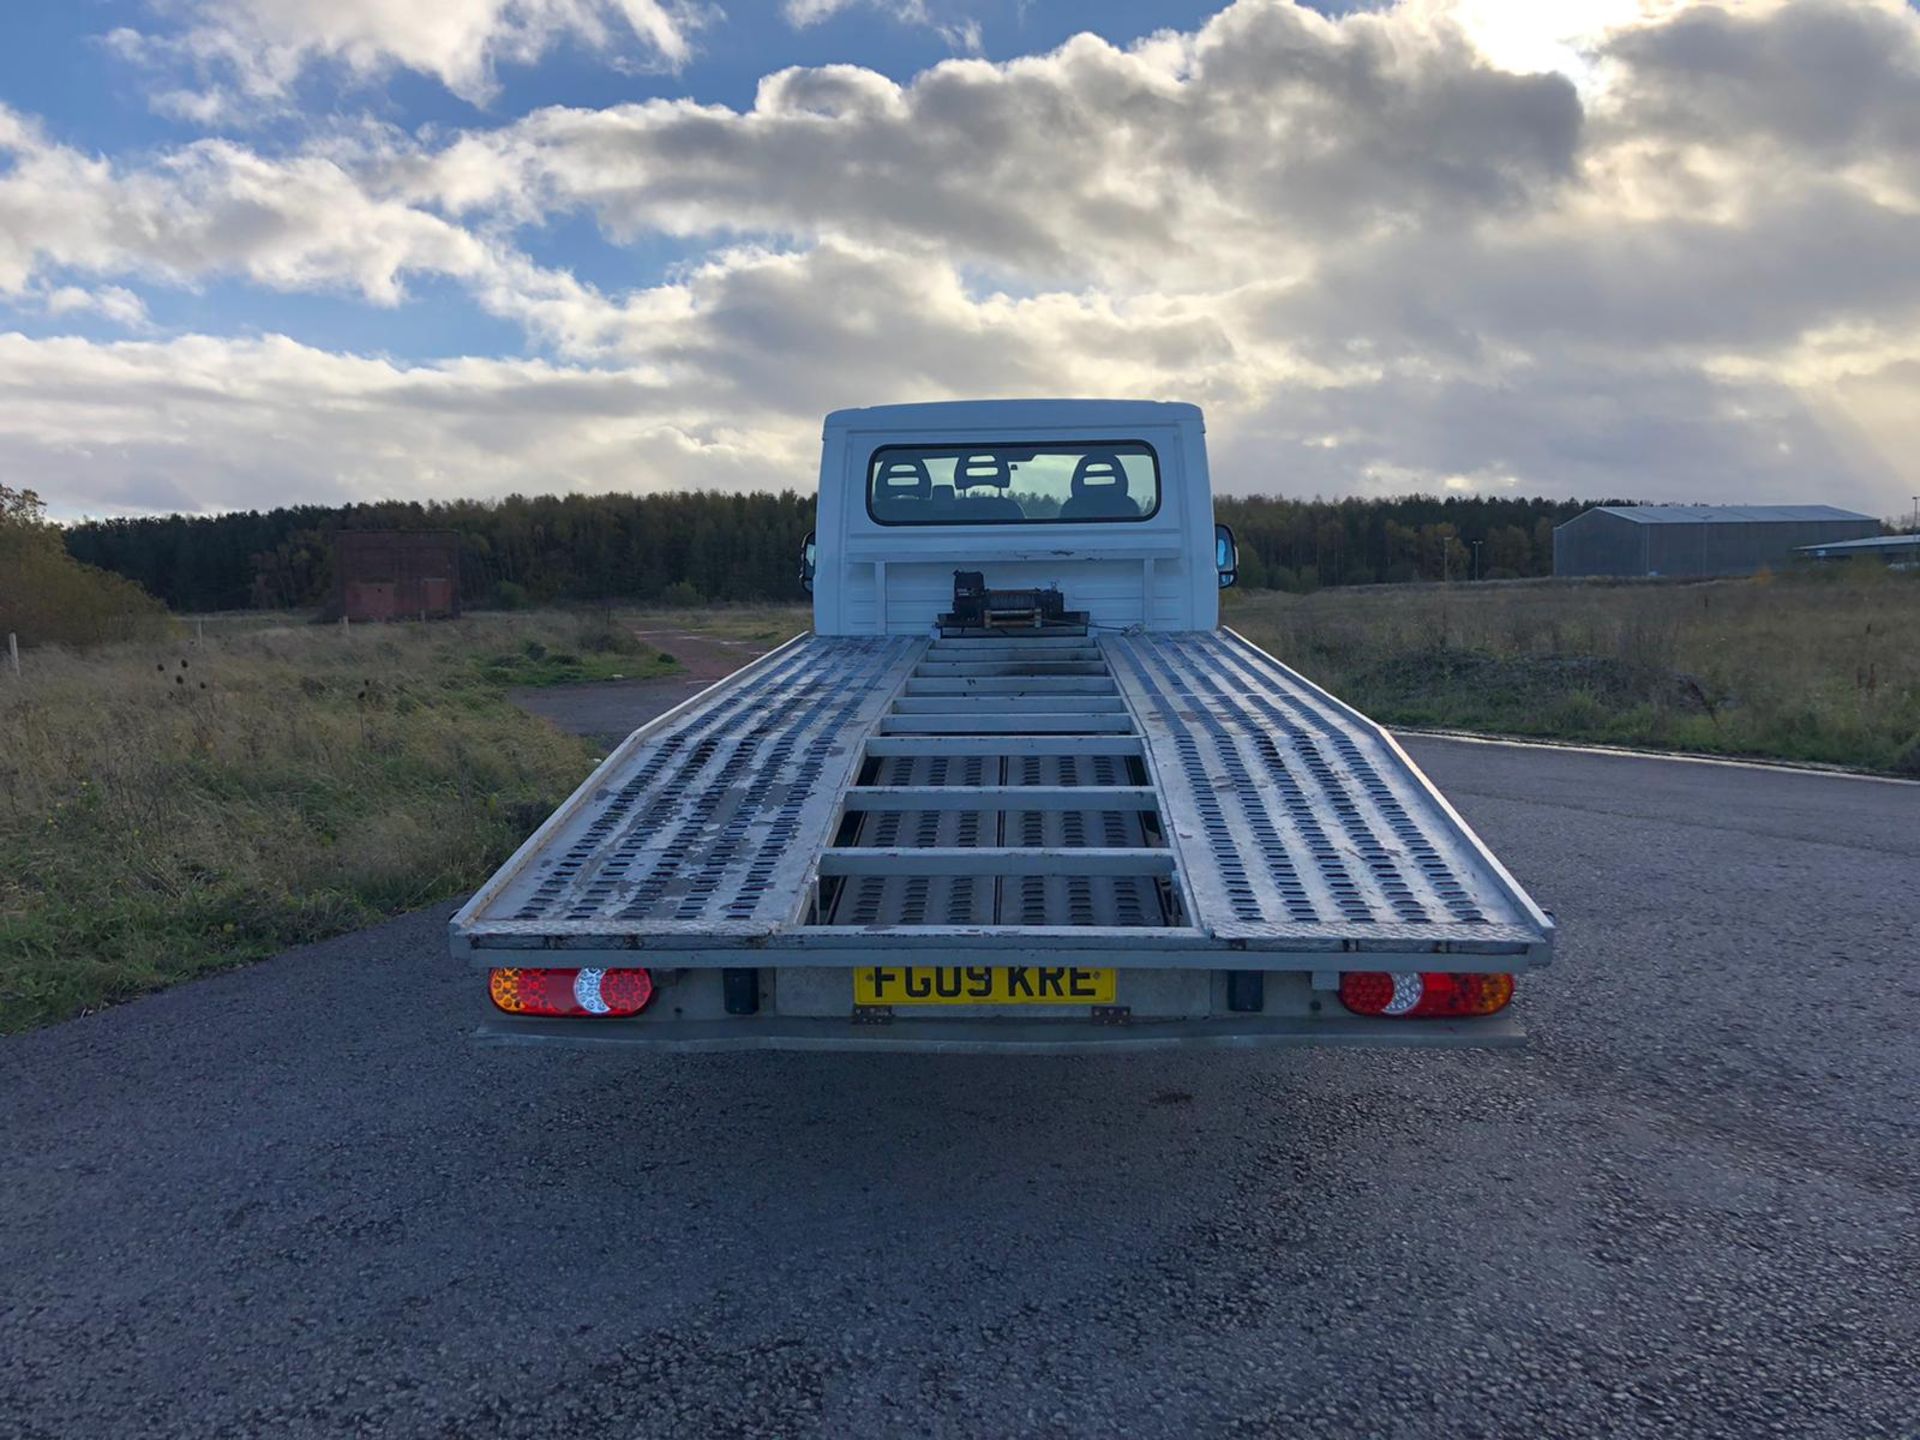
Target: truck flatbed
[{"x": 1167, "y": 800}]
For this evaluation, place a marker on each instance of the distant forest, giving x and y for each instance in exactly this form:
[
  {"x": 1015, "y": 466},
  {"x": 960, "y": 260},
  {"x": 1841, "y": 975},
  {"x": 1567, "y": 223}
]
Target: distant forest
[{"x": 693, "y": 547}]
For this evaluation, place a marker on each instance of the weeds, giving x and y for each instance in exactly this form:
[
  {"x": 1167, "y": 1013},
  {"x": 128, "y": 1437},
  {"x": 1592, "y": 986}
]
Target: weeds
[
  {"x": 762, "y": 624},
  {"x": 1821, "y": 666},
  {"x": 603, "y": 650},
  {"x": 168, "y": 809}
]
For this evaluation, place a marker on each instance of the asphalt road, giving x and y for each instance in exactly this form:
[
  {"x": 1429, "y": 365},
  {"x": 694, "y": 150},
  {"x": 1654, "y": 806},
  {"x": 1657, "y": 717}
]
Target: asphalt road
[{"x": 294, "y": 1200}]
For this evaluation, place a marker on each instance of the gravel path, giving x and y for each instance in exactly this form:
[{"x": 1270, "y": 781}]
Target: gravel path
[
  {"x": 293, "y": 1200},
  {"x": 609, "y": 710}
]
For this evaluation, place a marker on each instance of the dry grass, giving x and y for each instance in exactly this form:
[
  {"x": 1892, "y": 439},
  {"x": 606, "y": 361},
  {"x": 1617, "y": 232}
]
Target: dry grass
[
  {"x": 1821, "y": 666},
  {"x": 764, "y": 624},
  {"x": 170, "y": 808}
]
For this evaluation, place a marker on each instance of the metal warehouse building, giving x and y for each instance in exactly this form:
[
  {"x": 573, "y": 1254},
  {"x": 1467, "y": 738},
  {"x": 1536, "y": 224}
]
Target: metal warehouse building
[
  {"x": 1893, "y": 549},
  {"x": 1698, "y": 539}
]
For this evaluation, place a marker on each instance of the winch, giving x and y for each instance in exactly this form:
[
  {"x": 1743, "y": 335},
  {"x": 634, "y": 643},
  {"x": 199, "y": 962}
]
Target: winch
[{"x": 978, "y": 610}]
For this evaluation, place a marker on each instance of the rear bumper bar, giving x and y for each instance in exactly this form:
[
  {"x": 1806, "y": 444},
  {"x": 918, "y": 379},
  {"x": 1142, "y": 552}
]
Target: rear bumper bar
[{"x": 1002, "y": 1037}]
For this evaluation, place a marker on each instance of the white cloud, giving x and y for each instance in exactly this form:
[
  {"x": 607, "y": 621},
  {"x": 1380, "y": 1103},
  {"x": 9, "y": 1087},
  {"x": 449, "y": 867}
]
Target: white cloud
[
  {"x": 113, "y": 302},
  {"x": 696, "y": 385},
  {"x": 1272, "y": 134},
  {"x": 209, "y": 423},
  {"x": 213, "y": 208},
  {"x": 812, "y": 12},
  {"x": 720, "y": 379},
  {"x": 259, "y": 48},
  {"x": 961, "y": 32},
  {"x": 1697, "y": 274},
  {"x": 1528, "y": 35},
  {"x": 964, "y": 36}
]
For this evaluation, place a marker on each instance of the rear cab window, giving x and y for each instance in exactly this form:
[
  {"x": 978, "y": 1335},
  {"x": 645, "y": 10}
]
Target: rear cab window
[{"x": 1075, "y": 482}]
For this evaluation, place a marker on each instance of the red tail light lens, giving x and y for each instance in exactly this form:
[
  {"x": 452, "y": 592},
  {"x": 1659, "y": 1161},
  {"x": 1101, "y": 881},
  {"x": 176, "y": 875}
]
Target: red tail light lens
[
  {"x": 1413, "y": 995},
  {"x": 571, "y": 992}
]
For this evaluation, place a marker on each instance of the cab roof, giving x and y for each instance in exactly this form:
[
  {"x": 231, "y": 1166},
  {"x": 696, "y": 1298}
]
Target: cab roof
[{"x": 1108, "y": 417}]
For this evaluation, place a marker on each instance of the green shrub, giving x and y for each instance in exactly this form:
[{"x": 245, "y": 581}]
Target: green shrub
[
  {"x": 603, "y": 638},
  {"x": 682, "y": 594},
  {"x": 49, "y": 598}
]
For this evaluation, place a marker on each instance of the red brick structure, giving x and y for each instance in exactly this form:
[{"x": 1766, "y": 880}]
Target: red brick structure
[{"x": 396, "y": 574}]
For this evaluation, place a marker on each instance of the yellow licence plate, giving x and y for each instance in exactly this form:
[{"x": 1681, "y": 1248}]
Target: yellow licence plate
[{"x": 982, "y": 985}]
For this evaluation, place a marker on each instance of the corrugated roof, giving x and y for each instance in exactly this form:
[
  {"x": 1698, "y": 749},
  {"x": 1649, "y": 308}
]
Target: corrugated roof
[
  {"x": 1870, "y": 545},
  {"x": 1727, "y": 514}
]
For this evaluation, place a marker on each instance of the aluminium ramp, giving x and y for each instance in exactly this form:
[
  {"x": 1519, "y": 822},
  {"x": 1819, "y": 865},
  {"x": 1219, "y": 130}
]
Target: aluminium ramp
[
  {"x": 708, "y": 820},
  {"x": 1300, "y": 824}
]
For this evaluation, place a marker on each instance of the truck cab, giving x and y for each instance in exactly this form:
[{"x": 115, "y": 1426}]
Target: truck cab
[
  {"x": 1016, "y": 791},
  {"x": 1108, "y": 501}
]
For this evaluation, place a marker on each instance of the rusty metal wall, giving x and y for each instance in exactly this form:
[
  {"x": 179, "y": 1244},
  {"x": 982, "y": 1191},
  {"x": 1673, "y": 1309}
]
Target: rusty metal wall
[{"x": 396, "y": 574}]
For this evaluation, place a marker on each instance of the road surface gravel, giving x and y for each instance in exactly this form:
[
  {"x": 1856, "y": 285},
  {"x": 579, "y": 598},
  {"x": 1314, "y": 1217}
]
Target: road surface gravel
[{"x": 295, "y": 1200}]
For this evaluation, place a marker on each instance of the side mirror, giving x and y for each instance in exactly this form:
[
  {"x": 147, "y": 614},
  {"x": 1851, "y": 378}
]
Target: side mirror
[
  {"x": 1226, "y": 555},
  {"x": 806, "y": 563}
]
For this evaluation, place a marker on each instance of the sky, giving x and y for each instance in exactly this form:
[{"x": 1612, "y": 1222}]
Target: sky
[{"x": 258, "y": 252}]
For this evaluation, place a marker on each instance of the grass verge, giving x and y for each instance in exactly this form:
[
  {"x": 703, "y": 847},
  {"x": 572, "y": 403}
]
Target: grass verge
[
  {"x": 1821, "y": 667},
  {"x": 172, "y": 808},
  {"x": 175, "y": 807},
  {"x": 766, "y": 625}
]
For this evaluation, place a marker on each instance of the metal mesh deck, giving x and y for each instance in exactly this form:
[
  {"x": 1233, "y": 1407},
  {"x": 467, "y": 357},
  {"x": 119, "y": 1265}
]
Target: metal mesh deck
[
  {"x": 848, "y": 788},
  {"x": 1296, "y": 820},
  {"x": 710, "y": 822}
]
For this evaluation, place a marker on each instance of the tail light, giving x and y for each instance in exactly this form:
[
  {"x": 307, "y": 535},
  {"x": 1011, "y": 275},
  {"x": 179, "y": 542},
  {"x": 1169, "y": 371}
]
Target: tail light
[
  {"x": 571, "y": 992},
  {"x": 1413, "y": 995}
]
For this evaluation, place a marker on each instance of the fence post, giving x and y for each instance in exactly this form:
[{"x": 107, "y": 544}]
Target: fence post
[{"x": 13, "y": 653}]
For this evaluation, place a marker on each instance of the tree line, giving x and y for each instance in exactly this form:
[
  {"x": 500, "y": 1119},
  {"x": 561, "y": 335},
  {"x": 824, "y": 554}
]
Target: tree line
[
  {"x": 697, "y": 546},
  {"x": 1307, "y": 544},
  {"x": 682, "y": 547}
]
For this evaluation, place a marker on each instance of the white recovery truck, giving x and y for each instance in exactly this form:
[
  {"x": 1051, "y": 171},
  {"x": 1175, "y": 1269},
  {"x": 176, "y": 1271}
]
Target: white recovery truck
[{"x": 1016, "y": 791}]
